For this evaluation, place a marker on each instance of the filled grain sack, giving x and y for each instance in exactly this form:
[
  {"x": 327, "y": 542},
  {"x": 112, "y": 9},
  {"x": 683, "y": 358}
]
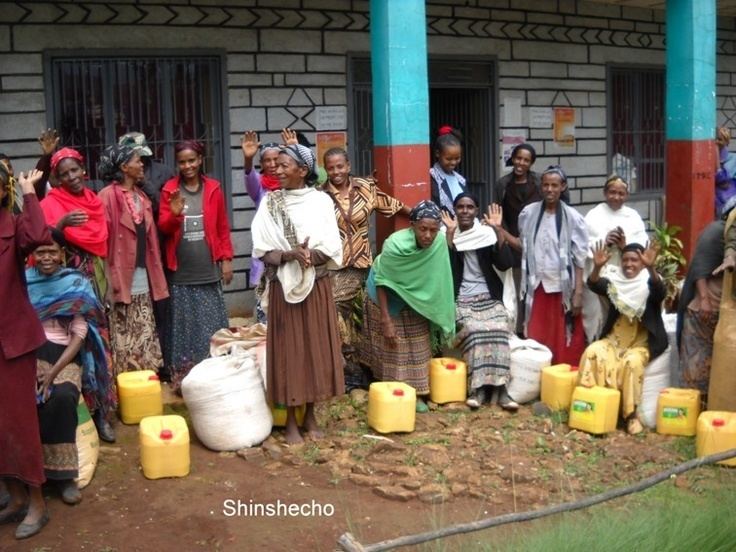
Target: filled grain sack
[
  {"x": 88, "y": 445},
  {"x": 226, "y": 401},
  {"x": 658, "y": 375},
  {"x": 528, "y": 357}
]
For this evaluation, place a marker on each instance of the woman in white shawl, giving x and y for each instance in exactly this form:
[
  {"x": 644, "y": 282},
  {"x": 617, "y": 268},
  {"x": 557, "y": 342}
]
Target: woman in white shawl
[
  {"x": 295, "y": 234},
  {"x": 615, "y": 225}
]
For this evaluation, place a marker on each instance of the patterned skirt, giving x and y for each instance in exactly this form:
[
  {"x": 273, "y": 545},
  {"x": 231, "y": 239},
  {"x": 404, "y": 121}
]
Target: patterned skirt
[
  {"x": 57, "y": 417},
  {"x": 347, "y": 289},
  {"x": 483, "y": 336},
  {"x": 196, "y": 313},
  {"x": 409, "y": 360},
  {"x": 135, "y": 344}
]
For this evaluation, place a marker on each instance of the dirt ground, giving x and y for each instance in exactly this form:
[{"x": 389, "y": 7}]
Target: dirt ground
[{"x": 457, "y": 466}]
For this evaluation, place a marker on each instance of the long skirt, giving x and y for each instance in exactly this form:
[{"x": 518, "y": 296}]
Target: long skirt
[
  {"x": 135, "y": 344},
  {"x": 607, "y": 365},
  {"x": 195, "y": 314},
  {"x": 696, "y": 349},
  {"x": 483, "y": 336},
  {"x": 409, "y": 360},
  {"x": 57, "y": 417},
  {"x": 20, "y": 439},
  {"x": 347, "y": 286},
  {"x": 548, "y": 324},
  {"x": 303, "y": 347}
]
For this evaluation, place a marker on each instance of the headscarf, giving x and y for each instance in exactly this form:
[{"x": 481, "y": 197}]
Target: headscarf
[
  {"x": 304, "y": 158},
  {"x": 628, "y": 295},
  {"x": 114, "y": 157},
  {"x": 65, "y": 153},
  {"x": 92, "y": 235},
  {"x": 525, "y": 146},
  {"x": 67, "y": 293},
  {"x": 403, "y": 267},
  {"x": 425, "y": 209},
  {"x": 194, "y": 145},
  {"x": 556, "y": 169}
]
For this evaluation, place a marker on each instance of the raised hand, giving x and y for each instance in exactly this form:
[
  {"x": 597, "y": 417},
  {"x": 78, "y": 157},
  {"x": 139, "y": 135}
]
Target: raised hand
[
  {"x": 49, "y": 139},
  {"x": 601, "y": 254},
  {"x": 494, "y": 216},
  {"x": 649, "y": 256},
  {"x": 249, "y": 144},
  {"x": 176, "y": 203},
  {"x": 28, "y": 180},
  {"x": 288, "y": 136},
  {"x": 449, "y": 222}
]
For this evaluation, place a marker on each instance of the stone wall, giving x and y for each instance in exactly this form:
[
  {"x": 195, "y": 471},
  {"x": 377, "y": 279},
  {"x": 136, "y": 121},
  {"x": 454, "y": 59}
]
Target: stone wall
[{"x": 287, "y": 57}]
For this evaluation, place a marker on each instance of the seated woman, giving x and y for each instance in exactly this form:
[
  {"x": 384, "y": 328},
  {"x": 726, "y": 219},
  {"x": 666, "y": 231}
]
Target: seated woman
[
  {"x": 634, "y": 331},
  {"x": 616, "y": 225},
  {"x": 409, "y": 298},
  {"x": 481, "y": 319},
  {"x": 295, "y": 234},
  {"x": 64, "y": 301}
]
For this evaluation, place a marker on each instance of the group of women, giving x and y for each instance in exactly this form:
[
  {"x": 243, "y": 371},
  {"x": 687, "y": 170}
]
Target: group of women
[{"x": 86, "y": 313}]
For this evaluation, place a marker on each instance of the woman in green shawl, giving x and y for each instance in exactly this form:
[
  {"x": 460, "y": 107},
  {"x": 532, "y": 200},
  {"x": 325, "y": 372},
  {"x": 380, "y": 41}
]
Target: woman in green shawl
[{"x": 409, "y": 298}]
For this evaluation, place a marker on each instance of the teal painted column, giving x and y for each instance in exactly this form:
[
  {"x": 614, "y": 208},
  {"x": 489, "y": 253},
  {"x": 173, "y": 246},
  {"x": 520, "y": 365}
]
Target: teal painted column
[
  {"x": 691, "y": 116},
  {"x": 400, "y": 102}
]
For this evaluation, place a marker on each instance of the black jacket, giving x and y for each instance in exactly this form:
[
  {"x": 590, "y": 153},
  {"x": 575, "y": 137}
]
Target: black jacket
[
  {"x": 488, "y": 257},
  {"x": 652, "y": 317}
]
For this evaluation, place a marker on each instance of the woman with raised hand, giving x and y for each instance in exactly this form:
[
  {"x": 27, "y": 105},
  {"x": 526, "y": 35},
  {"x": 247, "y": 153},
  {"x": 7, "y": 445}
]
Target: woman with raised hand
[
  {"x": 21, "y": 334},
  {"x": 199, "y": 254},
  {"x": 133, "y": 262},
  {"x": 481, "y": 319},
  {"x": 295, "y": 234},
  {"x": 409, "y": 308},
  {"x": 634, "y": 332}
]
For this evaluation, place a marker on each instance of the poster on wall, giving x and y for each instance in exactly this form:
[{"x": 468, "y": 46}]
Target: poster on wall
[
  {"x": 509, "y": 140},
  {"x": 540, "y": 117},
  {"x": 564, "y": 128},
  {"x": 328, "y": 140},
  {"x": 332, "y": 117}
]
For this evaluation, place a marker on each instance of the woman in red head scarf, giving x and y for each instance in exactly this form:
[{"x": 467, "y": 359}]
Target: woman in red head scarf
[{"x": 77, "y": 219}]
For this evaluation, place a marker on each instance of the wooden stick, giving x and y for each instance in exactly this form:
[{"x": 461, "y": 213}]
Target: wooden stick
[{"x": 350, "y": 544}]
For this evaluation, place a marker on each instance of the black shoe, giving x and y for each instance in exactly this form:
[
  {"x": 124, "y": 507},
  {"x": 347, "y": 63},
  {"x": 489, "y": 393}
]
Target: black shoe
[
  {"x": 104, "y": 429},
  {"x": 4, "y": 498},
  {"x": 476, "y": 398},
  {"x": 26, "y": 530},
  {"x": 69, "y": 491}
]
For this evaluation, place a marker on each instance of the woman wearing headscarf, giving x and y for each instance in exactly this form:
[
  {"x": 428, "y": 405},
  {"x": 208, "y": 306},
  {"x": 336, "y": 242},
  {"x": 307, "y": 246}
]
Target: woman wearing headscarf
[
  {"x": 554, "y": 243},
  {"x": 77, "y": 218},
  {"x": 133, "y": 262},
  {"x": 71, "y": 316},
  {"x": 21, "y": 457},
  {"x": 295, "y": 234},
  {"x": 409, "y": 307},
  {"x": 700, "y": 299},
  {"x": 634, "y": 331},
  {"x": 482, "y": 321},
  {"x": 615, "y": 225},
  {"x": 199, "y": 253}
]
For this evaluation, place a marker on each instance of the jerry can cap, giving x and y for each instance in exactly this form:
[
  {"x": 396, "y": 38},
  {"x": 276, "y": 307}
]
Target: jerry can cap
[
  {"x": 451, "y": 366},
  {"x": 574, "y": 368},
  {"x": 398, "y": 392},
  {"x": 154, "y": 377},
  {"x": 166, "y": 434},
  {"x": 719, "y": 422}
]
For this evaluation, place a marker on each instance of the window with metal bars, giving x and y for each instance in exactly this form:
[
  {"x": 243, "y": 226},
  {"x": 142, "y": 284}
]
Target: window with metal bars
[
  {"x": 636, "y": 126},
  {"x": 94, "y": 99}
]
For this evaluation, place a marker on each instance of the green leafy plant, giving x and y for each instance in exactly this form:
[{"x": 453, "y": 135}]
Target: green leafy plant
[{"x": 670, "y": 260}]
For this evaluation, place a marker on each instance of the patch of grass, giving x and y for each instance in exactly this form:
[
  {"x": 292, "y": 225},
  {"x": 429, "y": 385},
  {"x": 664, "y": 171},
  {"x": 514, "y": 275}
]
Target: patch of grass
[
  {"x": 428, "y": 440},
  {"x": 455, "y": 416},
  {"x": 662, "y": 518},
  {"x": 310, "y": 453},
  {"x": 411, "y": 458},
  {"x": 440, "y": 477},
  {"x": 684, "y": 446}
]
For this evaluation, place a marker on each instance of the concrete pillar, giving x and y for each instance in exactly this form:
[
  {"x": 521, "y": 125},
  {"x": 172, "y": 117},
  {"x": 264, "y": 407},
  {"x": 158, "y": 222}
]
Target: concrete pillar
[
  {"x": 691, "y": 116},
  {"x": 400, "y": 104}
]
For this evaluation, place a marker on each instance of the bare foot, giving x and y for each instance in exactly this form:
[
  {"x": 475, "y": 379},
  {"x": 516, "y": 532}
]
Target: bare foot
[
  {"x": 293, "y": 437},
  {"x": 310, "y": 423}
]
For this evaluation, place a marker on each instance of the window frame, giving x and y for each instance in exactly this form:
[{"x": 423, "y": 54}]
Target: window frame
[
  {"x": 220, "y": 111},
  {"x": 639, "y": 194}
]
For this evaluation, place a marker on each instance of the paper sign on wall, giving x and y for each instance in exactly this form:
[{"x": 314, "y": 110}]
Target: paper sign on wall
[
  {"x": 509, "y": 140},
  {"x": 564, "y": 129},
  {"x": 332, "y": 117},
  {"x": 328, "y": 140},
  {"x": 540, "y": 117}
]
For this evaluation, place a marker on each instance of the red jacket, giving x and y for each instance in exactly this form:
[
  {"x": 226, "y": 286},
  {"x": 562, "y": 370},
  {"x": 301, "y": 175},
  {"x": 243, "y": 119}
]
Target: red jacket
[
  {"x": 121, "y": 246},
  {"x": 216, "y": 226},
  {"x": 20, "y": 330}
]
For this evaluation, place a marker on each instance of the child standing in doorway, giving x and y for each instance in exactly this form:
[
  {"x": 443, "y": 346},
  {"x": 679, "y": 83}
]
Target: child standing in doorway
[{"x": 447, "y": 183}]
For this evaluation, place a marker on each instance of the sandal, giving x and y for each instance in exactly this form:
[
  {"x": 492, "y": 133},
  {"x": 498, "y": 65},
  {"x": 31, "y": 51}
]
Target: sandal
[
  {"x": 422, "y": 407},
  {"x": 633, "y": 426}
]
